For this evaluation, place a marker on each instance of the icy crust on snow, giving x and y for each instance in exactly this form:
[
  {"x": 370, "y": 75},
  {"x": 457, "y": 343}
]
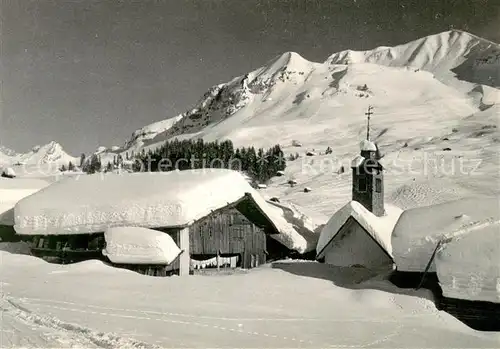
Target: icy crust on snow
[
  {"x": 13, "y": 190},
  {"x": 419, "y": 230},
  {"x": 468, "y": 267},
  {"x": 136, "y": 245},
  {"x": 93, "y": 203},
  {"x": 380, "y": 228}
]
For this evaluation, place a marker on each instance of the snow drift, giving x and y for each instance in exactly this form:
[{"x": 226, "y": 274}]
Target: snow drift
[
  {"x": 13, "y": 190},
  {"x": 135, "y": 245},
  {"x": 468, "y": 267},
  {"x": 96, "y": 202},
  {"x": 419, "y": 230}
]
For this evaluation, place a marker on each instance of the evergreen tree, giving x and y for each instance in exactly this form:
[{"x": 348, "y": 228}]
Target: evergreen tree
[
  {"x": 71, "y": 167},
  {"x": 82, "y": 160}
]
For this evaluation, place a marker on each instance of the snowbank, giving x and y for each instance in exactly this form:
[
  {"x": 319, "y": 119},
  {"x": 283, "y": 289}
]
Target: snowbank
[
  {"x": 96, "y": 202},
  {"x": 135, "y": 245},
  {"x": 380, "y": 228},
  {"x": 468, "y": 267},
  {"x": 419, "y": 230},
  {"x": 9, "y": 172},
  {"x": 13, "y": 190}
]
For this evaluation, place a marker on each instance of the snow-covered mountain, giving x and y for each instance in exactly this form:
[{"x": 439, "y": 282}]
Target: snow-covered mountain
[
  {"x": 290, "y": 86},
  {"x": 38, "y": 160},
  {"x": 434, "y": 93}
]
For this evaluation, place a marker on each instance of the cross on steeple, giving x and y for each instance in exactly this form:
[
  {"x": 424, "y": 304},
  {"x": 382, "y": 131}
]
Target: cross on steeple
[{"x": 369, "y": 113}]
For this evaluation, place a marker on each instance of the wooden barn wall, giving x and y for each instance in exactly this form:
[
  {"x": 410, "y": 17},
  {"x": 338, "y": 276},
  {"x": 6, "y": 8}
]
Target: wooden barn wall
[
  {"x": 68, "y": 248},
  {"x": 228, "y": 232}
]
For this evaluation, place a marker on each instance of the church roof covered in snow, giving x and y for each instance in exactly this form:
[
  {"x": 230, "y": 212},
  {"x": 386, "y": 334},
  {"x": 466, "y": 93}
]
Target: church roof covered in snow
[
  {"x": 366, "y": 145},
  {"x": 93, "y": 203},
  {"x": 11, "y": 191},
  {"x": 420, "y": 229},
  {"x": 379, "y": 228}
]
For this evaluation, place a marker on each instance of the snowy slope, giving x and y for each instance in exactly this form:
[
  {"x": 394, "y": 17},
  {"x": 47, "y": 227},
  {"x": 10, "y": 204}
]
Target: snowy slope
[
  {"x": 448, "y": 55},
  {"x": 40, "y": 161}
]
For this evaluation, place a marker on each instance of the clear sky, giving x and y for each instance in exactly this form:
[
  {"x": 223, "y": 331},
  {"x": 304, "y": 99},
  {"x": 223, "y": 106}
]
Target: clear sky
[{"x": 90, "y": 72}]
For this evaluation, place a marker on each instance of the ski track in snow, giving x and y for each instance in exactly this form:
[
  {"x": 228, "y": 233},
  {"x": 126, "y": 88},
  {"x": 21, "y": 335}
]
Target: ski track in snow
[
  {"x": 99, "y": 339},
  {"x": 23, "y": 328}
]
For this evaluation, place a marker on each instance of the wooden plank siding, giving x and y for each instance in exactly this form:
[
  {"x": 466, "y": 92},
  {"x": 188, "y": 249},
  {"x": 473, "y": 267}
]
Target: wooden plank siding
[
  {"x": 238, "y": 229},
  {"x": 227, "y": 232}
]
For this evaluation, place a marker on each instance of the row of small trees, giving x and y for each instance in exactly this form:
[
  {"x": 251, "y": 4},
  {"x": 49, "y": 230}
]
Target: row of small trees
[{"x": 260, "y": 164}]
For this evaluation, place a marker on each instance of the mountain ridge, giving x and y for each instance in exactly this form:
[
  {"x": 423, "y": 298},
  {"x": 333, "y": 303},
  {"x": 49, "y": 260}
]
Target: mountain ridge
[
  {"x": 289, "y": 82},
  {"x": 278, "y": 69}
]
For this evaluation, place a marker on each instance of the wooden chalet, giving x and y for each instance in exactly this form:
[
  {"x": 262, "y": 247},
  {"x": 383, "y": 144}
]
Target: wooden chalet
[{"x": 241, "y": 230}]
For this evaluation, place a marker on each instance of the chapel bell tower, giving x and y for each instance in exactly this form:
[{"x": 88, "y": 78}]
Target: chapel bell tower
[{"x": 368, "y": 176}]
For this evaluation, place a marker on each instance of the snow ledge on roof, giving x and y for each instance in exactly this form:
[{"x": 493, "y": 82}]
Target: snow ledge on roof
[
  {"x": 367, "y": 145},
  {"x": 135, "y": 245},
  {"x": 380, "y": 228}
]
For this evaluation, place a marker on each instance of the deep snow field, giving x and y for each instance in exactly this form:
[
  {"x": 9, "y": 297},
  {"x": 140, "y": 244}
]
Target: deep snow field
[{"x": 287, "y": 305}]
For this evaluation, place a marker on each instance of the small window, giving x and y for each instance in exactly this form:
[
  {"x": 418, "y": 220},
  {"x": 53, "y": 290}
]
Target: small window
[
  {"x": 362, "y": 184},
  {"x": 378, "y": 185}
]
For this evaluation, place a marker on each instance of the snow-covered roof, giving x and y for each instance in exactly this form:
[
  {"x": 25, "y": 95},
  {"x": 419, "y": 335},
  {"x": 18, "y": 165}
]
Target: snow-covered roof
[
  {"x": 367, "y": 145},
  {"x": 357, "y": 161},
  {"x": 93, "y": 203},
  {"x": 380, "y": 228},
  {"x": 419, "y": 230},
  {"x": 468, "y": 267},
  {"x": 11, "y": 191},
  {"x": 136, "y": 245}
]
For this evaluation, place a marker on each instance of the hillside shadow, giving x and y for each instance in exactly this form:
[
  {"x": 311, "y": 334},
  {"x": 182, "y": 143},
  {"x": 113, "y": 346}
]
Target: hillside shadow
[{"x": 353, "y": 278}]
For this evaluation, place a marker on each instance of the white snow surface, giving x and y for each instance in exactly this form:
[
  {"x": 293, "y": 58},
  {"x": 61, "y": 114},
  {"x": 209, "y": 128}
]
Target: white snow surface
[
  {"x": 419, "y": 230},
  {"x": 468, "y": 267},
  {"x": 136, "y": 245},
  {"x": 9, "y": 171},
  {"x": 93, "y": 203},
  {"x": 11, "y": 191},
  {"x": 380, "y": 228},
  {"x": 92, "y": 305}
]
